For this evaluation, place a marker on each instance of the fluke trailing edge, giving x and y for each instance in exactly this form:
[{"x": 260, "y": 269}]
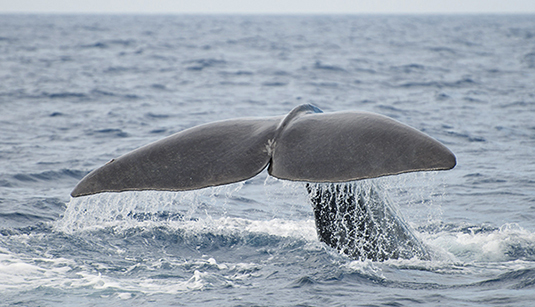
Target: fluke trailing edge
[
  {"x": 305, "y": 145},
  {"x": 326, "y": 150}
]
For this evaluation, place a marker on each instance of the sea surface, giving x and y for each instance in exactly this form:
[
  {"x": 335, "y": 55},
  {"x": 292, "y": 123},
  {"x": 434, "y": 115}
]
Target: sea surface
[{"x": 79, "y": 90}]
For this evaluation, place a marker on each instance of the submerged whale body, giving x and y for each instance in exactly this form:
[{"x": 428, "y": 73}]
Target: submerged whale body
[{"x": 326, "y": 150}]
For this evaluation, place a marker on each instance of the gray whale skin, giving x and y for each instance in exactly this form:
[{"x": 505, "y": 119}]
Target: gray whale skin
[{"x": 328, "y": 151}]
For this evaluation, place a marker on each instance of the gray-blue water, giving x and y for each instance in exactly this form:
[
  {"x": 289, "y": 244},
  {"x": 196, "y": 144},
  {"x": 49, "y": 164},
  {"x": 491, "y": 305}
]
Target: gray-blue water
[{"x": 76, "y": 91}]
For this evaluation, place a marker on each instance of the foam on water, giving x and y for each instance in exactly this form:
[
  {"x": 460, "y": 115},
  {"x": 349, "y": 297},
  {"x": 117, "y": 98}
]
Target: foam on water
[
  {"x": 19, "y": 274},
  {"x": 477, "y": 244}
]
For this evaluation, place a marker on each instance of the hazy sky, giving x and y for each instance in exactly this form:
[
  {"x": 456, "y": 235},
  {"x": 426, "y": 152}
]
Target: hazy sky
[{"x": 268, "y": 6}]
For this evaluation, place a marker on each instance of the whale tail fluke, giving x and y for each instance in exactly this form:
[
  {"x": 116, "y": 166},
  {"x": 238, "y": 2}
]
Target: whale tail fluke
[{"x": 306, "y": 145}]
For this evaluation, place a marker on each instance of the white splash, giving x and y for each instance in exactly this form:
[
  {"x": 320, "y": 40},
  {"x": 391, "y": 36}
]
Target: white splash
[{"x": 501, "y": 244}]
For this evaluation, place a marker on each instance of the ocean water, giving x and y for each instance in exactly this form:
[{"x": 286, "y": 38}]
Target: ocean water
[{"x": 76, "y": 91}]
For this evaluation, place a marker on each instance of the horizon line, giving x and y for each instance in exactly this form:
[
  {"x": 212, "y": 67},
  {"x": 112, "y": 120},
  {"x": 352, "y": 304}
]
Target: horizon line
[{"x": 258, "y": 13}]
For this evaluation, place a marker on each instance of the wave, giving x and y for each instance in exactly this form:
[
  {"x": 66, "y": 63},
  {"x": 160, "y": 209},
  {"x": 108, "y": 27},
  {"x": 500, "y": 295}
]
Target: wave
[
  {"x": 275, "y": 83},
  {"x": 236, "y": 73},
  {"x": 510, "y": 242},
  {"x": 443, "y": 50},
  {"x": 466, "y": 82},
  {"x": 59, "y": 175},
  {"x": 105, "y": 44},
  {"x": 517, "y": 279},
  {"x": 107, "y": 133},
  {"x": 94, "y": 94},
  {"x": 409, "y": 68},
  {"x": 333, "y": 68},
  {"x": 32, "y": 214},
  {"x": 518, "y": 104},
  {"x": 200, "y": 64},
  {"x": 529, "y": 59},
  {"x": 166, "y": 276},
  {"x": 63, "y": 95},
  {"x": 466, "y": 136}
]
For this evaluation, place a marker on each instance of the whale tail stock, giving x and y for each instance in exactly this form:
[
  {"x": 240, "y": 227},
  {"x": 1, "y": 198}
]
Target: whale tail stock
[
  {"x": 305, "y": 145},
  {"x": 357, "y": 220}
]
